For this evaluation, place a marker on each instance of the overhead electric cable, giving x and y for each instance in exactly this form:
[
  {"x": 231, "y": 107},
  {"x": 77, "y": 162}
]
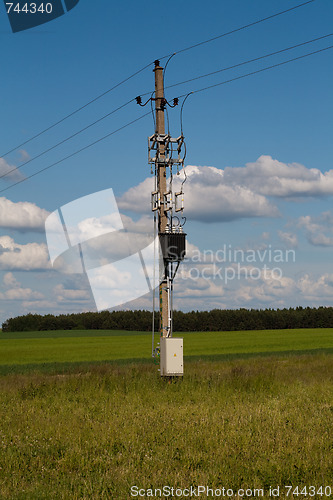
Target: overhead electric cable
[
  {"x": 238, "y": 29},
  {"x": 247, "y": 62},
  {"x": 77, "y": 110},
  {"x": 66, "y": 139},
  {"x": 255, "y": 72},
  {"x": 76, "y": 152},
  {"x": 183, "y": 95},
  {"x": 169, "y": 86},
  {"x": 148, "y": 65}
]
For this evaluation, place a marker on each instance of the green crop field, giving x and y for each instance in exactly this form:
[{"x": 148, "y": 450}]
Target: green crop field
[
  {"x": 30, "y": 348},
  {"x": 85, "y": 415}
]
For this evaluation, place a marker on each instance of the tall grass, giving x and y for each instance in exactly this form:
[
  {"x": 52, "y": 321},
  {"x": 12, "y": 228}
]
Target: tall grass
[{"x": 95, "y": 432}]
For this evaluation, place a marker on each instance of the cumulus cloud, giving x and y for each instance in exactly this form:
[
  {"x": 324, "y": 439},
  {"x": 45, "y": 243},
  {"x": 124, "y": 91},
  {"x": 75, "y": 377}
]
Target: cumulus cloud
[
  {"x": 24, "y": 155},
  {"x": 213, "y": 194},
  {"x": 28, "y": 257},
  {"x": 235, "y": 285},
  {"x": 10, "y": 280},
  {"x": 270, "y": 177},
  {"x": 289, "y": 239},
  {"x": 22, "y": 294},
  {"x": 22, "y": 216},
  {"x": 319, "y": 229},
  {"x": 9, "y": 172},
  {"x": 64, "y": 294},
  {"x": 207, "y": 197},
  {"x": 316, "y": 288},
  {"x": 16, "y": 291}
]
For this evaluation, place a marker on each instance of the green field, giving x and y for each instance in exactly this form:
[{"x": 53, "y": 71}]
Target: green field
[
  {"x": 85, "y": 415},
  {"x": 30, "y": 348}
]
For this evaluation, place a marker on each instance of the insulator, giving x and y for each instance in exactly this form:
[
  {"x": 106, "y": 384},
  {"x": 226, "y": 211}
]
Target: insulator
[
  {"x": 179, "y": 201},
  {"x": 175, "y": 101},
  {"x": 138, "y": 100}
]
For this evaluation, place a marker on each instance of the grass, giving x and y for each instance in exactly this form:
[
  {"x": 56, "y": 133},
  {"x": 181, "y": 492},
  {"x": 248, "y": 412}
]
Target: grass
[
  {"x": 94, "y": 434},
  {"x": 47, "y": 348},
  {"x": 92, "y": 430}
]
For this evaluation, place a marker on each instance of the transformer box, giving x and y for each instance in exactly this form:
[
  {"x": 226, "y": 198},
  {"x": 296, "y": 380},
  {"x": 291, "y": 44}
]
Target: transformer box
[{"x": 173, "y": 246}]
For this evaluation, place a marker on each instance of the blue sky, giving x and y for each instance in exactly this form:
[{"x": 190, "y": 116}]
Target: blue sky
[{"x": 259, "y": 150}]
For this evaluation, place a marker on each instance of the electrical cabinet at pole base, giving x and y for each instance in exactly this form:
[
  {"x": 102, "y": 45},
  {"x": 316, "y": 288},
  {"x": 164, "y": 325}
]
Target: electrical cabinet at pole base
[{"x": 171, "y": 356}]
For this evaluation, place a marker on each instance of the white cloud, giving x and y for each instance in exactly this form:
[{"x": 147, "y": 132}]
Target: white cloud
[
  {"x": 137, "y": 198},
  {"x": 22, "y": 294},
  {"x": 207, "y": 197},
  {"x": 213, "y": 194},
  {"x": 31, "y": 256},
  {"x": 270, "y": 177},
  {"x": 16, "y": 291},
  {"x": 24, "y": 155},
  {"x": 316, "y": 288},
  {"x": 319, "y": 229},
  {"x": 64, "y": 294},
  {"x": 22, "y": 216},
  {"x": 235, "y": 286},
  {"x": 9, "y": 172},
  {"x": 10, "y": 280},
  {"x": 289, "y": 239},
  {"x": 41, "y": 307}
]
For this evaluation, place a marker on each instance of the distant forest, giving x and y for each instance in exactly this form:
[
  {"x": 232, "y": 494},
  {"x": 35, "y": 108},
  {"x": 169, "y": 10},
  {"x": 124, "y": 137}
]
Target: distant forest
[{"x": 201, "y": 321}]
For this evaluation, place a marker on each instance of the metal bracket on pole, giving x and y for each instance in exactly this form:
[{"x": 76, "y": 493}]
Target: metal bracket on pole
[
  {"x": 167, "y": 201},
  {"x": 158, "y": 141},
  {"x": 155, "y": 200}
]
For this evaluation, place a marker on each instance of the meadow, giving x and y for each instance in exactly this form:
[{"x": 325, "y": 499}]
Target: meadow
[
  {"x": 53, "y": 349},
  {"x": 85, "y": 415}
]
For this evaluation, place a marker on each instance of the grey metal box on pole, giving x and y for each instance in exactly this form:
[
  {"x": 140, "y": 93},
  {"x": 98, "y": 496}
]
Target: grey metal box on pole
[{"x": 172, "y": 363}]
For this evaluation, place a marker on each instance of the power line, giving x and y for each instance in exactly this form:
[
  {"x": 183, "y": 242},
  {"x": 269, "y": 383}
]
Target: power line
[
  {"x": 246, "y": 62},
  {"x": 66, "y": 139},
  {"x": 257, "y": 71},
  {"x": 147, "y": 66},
  {"x": 146, "y": 114},
  {"x": 239, "y": 29},
  {"x": 76, "y": 152},
  {"x": 76, "y": 110},
  {"x": 183, "y": 95},
  {"x": 169, "y": 86}
]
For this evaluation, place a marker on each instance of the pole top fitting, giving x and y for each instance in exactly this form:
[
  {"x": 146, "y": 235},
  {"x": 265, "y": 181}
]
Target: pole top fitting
[{"x": 157, "y": 65}]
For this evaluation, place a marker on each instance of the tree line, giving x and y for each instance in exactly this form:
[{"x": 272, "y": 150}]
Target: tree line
[{"x": 215, "y": 320}]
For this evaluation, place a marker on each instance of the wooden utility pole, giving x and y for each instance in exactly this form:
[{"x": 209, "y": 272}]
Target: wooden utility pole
[
  {"x": 162, "y": 189},
  {"x": 165, "y": 152}
]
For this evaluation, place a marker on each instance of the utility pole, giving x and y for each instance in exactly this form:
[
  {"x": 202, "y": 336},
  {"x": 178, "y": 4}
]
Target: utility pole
[
  {"x": 168, "y": 153},
  {"x": 162, "y": 189}
]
